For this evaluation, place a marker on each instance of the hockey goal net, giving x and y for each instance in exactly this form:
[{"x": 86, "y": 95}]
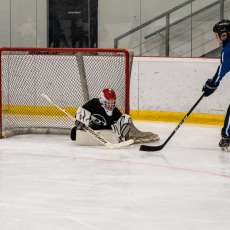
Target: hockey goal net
[{"x": 70, "y": 77}]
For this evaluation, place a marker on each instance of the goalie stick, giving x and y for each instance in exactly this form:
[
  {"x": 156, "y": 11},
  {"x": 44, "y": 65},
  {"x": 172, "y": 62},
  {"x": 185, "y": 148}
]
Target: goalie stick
[
  {"x": 159, "y": 147},
  {"x": 89, "y": 130}
]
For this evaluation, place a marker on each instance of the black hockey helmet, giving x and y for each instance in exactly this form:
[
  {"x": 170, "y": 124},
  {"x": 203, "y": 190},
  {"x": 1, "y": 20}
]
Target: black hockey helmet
[{"x": 222, "y": 26}]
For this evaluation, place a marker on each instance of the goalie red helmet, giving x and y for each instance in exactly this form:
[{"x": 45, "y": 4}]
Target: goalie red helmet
[{"x": 108, "y": 100}]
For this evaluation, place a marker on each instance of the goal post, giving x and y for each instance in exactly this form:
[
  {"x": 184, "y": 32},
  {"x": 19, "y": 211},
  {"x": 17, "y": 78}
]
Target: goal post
[{"x": 70, "y": 76}]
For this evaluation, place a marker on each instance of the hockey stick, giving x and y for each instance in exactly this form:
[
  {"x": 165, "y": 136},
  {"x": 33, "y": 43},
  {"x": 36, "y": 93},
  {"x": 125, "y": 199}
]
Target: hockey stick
[
  {"x": 159, "y": 147},
  {"x": 89, "y": 130}
]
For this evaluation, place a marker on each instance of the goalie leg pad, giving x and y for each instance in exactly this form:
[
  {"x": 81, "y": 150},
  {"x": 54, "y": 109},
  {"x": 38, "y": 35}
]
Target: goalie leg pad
[
  {"x": 136, "y": 133},
  {"x": 141, "y": 137},
  {"x": 152, "y": 137},
  {"x": 122, "y": 127},
  {"x": 84, "y": 139},
  {"x": 126, "y": 130}
]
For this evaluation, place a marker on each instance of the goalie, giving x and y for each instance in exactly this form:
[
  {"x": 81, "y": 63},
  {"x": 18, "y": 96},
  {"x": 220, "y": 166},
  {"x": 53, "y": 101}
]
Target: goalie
[{"x": 101, "y": 114}]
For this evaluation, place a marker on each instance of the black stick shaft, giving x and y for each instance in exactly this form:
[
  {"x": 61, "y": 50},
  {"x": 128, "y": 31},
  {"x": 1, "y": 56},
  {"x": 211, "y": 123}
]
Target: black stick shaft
[
  {"x": 155, "y": 148},
  {"x": 183, "y": 120}
]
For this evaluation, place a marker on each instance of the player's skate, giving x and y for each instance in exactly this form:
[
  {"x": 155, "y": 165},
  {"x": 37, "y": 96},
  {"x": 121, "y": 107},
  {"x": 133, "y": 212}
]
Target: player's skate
[{"x": 225, "y": 143}]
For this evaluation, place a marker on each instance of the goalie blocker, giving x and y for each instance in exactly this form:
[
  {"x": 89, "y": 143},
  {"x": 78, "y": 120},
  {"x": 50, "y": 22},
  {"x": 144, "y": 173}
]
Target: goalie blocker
[{"x": 102, "y": 115}]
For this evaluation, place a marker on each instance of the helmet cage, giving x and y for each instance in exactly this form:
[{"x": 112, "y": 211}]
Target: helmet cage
[
  {"x": 108, "y": 99},
  {"x": 109, "y": 105}
]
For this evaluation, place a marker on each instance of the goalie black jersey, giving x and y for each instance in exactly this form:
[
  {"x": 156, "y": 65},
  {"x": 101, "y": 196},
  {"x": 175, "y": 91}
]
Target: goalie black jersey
[{"x": 99, "y": 118}]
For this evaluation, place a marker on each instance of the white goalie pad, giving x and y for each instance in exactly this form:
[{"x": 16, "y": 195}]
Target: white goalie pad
[
  {"x": 84, "y": 139},
  {"x": 122, "y": 127},
  {"x": 126, "y": 130}
]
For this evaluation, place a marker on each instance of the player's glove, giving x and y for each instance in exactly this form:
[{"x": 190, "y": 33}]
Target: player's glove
[{"x": 209, "y": 87}]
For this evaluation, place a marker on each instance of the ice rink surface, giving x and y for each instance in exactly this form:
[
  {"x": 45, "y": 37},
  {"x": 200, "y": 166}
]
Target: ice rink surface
[{"x": 47, "y": 182}]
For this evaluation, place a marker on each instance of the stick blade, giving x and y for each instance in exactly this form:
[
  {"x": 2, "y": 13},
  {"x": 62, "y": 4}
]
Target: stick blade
[
  {"x": 119, "y": 145},
  {"x": 46, "y": 97},
  {"x": 149, "y": 148}
]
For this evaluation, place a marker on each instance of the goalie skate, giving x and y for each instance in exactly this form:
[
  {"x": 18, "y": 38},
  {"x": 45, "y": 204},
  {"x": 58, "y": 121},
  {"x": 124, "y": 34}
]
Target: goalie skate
[
  {"x": 149, "y": 137},
  {"x": 225, "y": 143},
  {"x": 140, "y": 137}
]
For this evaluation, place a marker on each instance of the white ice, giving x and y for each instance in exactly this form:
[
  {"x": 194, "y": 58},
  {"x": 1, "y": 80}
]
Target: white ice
[{"x": 47, "y": 182}]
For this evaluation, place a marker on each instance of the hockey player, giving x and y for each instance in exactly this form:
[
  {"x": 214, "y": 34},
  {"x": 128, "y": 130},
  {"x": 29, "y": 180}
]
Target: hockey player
[
  {"x": 222, "y": 32},
  {"x": 102, "y": 114}
]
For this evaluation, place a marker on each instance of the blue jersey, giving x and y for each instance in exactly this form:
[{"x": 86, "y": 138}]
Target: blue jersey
[{"x": 224, "y": 66}]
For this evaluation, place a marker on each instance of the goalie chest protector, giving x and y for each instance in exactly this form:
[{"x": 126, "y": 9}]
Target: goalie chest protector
[{"x": 100, "y": 119}]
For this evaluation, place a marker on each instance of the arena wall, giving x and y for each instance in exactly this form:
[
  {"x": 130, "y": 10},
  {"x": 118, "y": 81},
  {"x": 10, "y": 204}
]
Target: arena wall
[{"x": 166, "y": 88}]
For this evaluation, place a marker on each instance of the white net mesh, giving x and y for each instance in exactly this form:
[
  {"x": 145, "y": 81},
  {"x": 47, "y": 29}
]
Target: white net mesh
[{"x": 68, "y": 78}]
